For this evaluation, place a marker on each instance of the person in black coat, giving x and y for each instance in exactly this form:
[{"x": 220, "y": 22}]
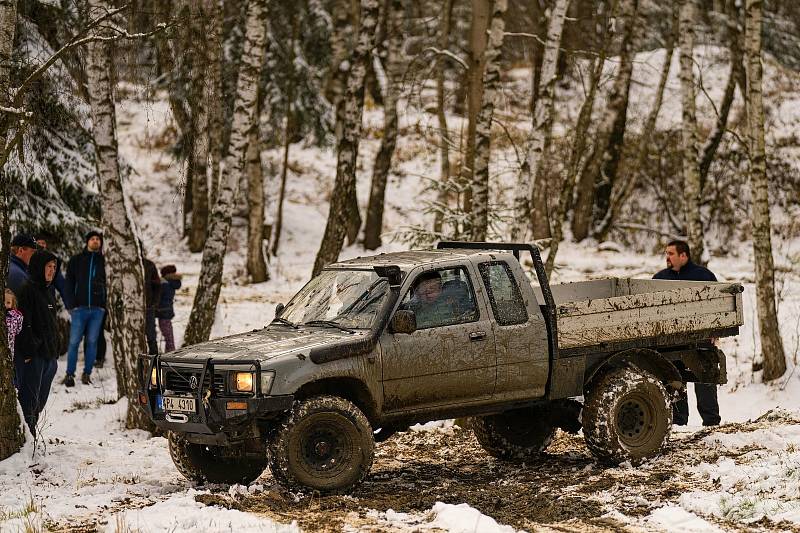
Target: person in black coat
[
  {"x": 680, "y": 267},
  {"x": 152, "y": 289},
  {"x": 37, "y": 343}
]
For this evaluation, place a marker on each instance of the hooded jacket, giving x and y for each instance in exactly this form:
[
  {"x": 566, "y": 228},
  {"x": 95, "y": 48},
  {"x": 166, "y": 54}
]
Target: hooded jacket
[
  {"x": 169, "y": 284},
  {"x": 39, "y": 335},
  {"x": 86, "y": 279}
]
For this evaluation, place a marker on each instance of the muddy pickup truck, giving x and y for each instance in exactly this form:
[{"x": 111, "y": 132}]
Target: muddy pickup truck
[{"x": 374, "y": 344}]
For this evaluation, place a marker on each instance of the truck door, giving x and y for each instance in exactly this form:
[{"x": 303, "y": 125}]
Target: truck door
[
  {"x": 520, "y": 332},
  {"x": 451, "y": 356}
]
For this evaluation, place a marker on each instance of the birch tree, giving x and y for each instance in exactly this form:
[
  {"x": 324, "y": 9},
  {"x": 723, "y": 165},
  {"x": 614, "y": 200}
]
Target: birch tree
[
  {"x": 539, "y": 139},
  {"x": 12, "y": 436},
  {"x": 481, "y": 11},
  {"x": 348, "y": 133},
  {"x": 213, "y": 95},
  {"x": 483, "y": 131},
  {"x": 125, "y": 274},
  {"x": 573, "y": 168},
  {"x": 208, "y": 288},
  {"x": 442, "y": 198},
  {"x": 610, "y": 124},
  {"x": 256, "y": 265},
  {"x": 689, "y": 140},
  {"x": 383, "y": 160},
  {"x": 623, "y": 189},
  {"x": 771, "y": 342},
  {"x": 202, "y": 23}
]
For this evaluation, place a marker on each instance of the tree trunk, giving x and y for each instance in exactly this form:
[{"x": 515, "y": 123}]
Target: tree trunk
[
  {"x": 483, "y": 131},
  {"x": 383, "y": 160},
  {"x": 481, "y": 10},
  {"x": 124, "y": 270},
  {"x": 771, "y": 342},
  {"x": 715, "y": 137},
  {"x": 348, "y": 133},
  {"x": 288, "y": 133},
  {"x": 213, "y": 97},
  {"x": 691, "y": 169},
  {"x": 617, "y": 104},
  {"x": 539, "y": 138},
  {"x": 204, "y": 56},
  {"x": 207, "y": 295},
  {"x": 623, "y": 189},
  {"x": 573, "y": 169},
  {"x": 12, "y": 436},
  {"x": 442, "y": 197},
  {"x": 256, "y": 265}
]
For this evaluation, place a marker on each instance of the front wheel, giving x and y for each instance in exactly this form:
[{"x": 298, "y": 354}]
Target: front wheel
[
  {"x": 201, "y": 463},
  {"x": 325, "y": 443},
  {"x": 627, "y": 416},
  {"x": 518, "y": 435}
]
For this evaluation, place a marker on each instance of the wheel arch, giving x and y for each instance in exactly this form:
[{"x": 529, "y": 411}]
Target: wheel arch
[
  {"x": 642, "y": 358},
  {"x": 351, "y": 389}
]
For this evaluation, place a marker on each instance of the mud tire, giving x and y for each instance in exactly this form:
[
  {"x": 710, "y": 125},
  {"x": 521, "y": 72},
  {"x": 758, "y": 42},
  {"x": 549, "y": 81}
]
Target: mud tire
[
  {"x": 515, "y": 435},
  {"x": 205, "y": 464},
  {"x": 325, "y": 443},
  {"x": 627, "y": 416}
]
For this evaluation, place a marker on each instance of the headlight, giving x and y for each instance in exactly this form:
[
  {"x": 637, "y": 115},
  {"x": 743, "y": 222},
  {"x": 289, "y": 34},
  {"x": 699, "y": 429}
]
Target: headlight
[
  {"x": 154, "y": 377},
  {"x": 243, "y": 381},
  {"x": 267, "y": 377}
]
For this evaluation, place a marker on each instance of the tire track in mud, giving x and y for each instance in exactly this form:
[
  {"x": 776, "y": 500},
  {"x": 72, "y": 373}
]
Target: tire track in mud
[{"x": 565, "y": 490}]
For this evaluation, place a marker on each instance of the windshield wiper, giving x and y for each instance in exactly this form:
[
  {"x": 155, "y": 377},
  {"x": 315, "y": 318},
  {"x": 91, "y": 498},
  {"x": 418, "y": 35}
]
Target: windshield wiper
[
  {"x": 285, "y": 322},
  {"x": 329, "y": 323}
]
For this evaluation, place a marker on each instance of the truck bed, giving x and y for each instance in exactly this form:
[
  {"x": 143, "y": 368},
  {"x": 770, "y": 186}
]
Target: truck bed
[{"x": 615, "y": 313}]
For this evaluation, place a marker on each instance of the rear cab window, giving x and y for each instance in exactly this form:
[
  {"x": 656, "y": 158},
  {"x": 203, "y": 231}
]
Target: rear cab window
[{"x": 503, "y": 292}]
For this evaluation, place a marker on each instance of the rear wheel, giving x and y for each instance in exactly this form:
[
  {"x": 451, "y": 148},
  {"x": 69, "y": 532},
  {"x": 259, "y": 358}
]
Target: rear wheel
[
  {"x": 325, "y": 443},
  {"x": 201, "y": 463},
  {"x": 627, "y": 416},
  {"x": 514, "y": 435}
]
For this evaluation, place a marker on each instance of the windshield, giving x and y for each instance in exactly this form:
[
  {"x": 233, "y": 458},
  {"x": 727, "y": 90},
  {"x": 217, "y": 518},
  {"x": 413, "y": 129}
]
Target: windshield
[{"x": 351, "y": 298}]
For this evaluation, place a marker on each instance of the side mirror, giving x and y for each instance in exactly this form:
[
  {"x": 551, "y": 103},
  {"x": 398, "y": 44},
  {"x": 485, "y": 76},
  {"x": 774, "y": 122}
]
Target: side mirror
[
  {"x": 279, "y": 309},
  {"x": 403, "y": 321}
]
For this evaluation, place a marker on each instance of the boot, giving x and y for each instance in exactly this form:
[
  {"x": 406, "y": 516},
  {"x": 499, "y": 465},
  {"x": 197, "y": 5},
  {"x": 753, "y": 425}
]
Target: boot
[
  {"x": 99, "y": 363},
  {"x": 69, "y": 380},
  {"x": 86, "y": 379}
]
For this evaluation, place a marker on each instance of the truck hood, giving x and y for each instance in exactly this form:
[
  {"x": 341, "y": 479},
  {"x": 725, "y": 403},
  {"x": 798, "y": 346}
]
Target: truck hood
[{"x": 264, "y": 344}]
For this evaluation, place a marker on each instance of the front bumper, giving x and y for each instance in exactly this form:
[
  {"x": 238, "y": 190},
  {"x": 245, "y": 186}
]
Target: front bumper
[{"x": 212, "y": 415}]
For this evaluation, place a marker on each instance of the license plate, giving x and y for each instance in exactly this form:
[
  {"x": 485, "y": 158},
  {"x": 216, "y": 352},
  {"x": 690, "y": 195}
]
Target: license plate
[{"x": 179, "y": 404}]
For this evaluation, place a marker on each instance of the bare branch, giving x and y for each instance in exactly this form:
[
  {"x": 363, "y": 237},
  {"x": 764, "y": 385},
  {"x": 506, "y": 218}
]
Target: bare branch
[
  {"x": 449, "y": 54},
  {"x": 79, "y": 40}
]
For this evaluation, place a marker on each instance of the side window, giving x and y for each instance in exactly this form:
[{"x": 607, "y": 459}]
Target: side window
[
  {"x": 442, "y": 298},
  {"x": 503, "y": 292}
]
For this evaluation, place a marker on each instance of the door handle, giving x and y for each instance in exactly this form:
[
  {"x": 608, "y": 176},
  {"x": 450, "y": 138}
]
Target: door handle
[{"x": 477, "y": 335}]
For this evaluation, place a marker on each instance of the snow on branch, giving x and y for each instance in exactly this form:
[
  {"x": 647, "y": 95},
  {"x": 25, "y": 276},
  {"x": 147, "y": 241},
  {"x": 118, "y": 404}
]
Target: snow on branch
[
  {"x": 448, "y": 54},
  {"x": 84, "y": 37}
]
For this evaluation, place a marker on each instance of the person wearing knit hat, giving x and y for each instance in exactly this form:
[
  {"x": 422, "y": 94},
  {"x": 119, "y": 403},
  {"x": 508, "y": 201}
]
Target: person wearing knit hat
[
  {"x": 170, "y": 282},
  {"x": 86, "y": 295}
]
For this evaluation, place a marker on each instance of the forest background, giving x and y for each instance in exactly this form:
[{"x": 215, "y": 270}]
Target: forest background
[{"x": 617, "y": 124}]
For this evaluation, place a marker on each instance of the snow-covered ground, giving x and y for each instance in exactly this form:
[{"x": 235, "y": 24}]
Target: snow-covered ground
[{"x": 88, "y": 473}]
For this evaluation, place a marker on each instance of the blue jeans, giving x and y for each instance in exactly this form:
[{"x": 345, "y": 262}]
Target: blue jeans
[{"x": 85, "y": 321}]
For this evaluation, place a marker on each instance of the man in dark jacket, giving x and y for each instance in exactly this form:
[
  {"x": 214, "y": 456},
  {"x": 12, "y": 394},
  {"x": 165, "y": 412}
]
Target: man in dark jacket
[
  {"x": 42, "y": 240},
  {"x": 681, "y": 267},
  {"x": 152, "y": 289},
  {"x": 86, "y": 295},
  {"x": 22, "y": 248},
  {"x": 37, "y": 343}
]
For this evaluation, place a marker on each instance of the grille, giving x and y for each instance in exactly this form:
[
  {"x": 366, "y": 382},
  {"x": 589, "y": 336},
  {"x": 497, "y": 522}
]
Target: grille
[{"x": 179, "y": 380}]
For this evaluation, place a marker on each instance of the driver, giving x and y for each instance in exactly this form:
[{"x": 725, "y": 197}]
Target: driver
[{"x": 429, "y": 306}]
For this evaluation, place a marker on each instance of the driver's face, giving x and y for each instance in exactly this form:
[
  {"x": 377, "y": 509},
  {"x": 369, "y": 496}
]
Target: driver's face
[{"x": 429, "y": 290}]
